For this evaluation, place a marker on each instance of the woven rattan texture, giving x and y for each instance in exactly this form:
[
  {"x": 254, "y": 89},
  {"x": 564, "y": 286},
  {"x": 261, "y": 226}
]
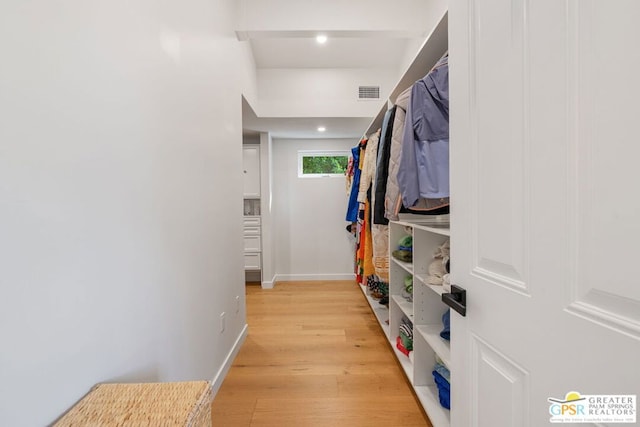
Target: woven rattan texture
[{"x": 147, "y": 404}]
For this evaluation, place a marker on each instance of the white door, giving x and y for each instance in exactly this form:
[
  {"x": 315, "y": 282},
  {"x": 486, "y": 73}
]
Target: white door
[
  {"x": 251, "y": 165},
  {"x": 545, "y": 167}
]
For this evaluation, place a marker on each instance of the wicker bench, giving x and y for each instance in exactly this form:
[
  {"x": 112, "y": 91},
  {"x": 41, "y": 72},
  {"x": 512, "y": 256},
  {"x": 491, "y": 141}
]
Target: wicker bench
[{"x": 148, "y": 404}]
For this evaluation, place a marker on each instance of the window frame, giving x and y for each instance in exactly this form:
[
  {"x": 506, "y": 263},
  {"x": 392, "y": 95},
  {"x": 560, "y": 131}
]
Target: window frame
[{"x": 321, "y": 153}]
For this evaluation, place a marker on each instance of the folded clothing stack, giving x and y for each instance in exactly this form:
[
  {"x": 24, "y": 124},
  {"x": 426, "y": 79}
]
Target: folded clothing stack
[
  {"x": 446, "y": 331},
  {"x": 405, "y": 243},
  {"x": 405, "y": 249},
  {"x": 404, "y": 342},
  {"x": 442, "y": 378},
  {"x": 407, "y": 290},
  {"x": 401, "y": 347}
]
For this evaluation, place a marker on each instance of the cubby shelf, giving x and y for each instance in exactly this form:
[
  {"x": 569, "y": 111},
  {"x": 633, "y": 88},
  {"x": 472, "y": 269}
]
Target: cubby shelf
[
  {"x": 405, "y": 306},
  {"x": 405, "y": 361},
  {"x": 422, "y": 280},
  {"x": 425, "y": 310},
  {"x": 380, "y": 311},
  {"x": 428, "y": 396},
  {"x": 407, "y": 266},
  {"x": 431, "y": 334}
]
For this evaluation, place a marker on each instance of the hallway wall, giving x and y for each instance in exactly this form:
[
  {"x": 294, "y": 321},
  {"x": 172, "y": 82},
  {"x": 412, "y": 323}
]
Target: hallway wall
[
  {"x": 120, "y": 196},
  {"x": 309, "y": 234},
  {"x": 300, "y": 92}
]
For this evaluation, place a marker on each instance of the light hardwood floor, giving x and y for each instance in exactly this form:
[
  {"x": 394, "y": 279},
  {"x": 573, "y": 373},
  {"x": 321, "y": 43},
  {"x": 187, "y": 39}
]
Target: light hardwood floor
[{"x": 314, "y": 356}]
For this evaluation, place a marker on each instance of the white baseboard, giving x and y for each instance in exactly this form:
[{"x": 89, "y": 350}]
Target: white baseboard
[
  {"x": 269, "y": 284},
  {"x": 305, "y": 277},
  {"x": 216, "y": 383},
  {"x": 311, "y": 277}
]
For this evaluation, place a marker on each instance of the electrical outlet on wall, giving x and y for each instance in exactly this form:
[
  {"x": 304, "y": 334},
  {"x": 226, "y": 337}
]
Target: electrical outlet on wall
[
  {"x": 237, "y": 304},
  {"x": 222, "y": 322}
]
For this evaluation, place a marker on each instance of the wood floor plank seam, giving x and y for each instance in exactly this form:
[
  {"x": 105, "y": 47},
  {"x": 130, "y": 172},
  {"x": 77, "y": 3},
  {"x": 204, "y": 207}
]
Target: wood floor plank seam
[{"x": 314, "y": 356}]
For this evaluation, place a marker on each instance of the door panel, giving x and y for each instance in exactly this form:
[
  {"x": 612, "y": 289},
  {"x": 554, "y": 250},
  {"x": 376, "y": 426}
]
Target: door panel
[
  {"x": 545, "y": 217},
  {"x": 499, "y": 140},
  {"x": 508, "y": 402},
  {"x": 605, "y": 215},
  {"x": 251, "y": 169}
]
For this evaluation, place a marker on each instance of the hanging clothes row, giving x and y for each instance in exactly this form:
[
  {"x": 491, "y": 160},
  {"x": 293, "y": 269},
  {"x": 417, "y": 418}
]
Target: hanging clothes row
[
  {"x": 423, "y": 172},
  {"x": 403, "y": 167}
]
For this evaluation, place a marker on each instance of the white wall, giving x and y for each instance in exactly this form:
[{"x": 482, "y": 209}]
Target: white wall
[
  {"x": 320, "y": 92},
  {"x": 267, "y": 210},
  {"x": 309, "y": 237},
  {"x": 120, "y": 196},
  {"x": 375, "y": 15}
]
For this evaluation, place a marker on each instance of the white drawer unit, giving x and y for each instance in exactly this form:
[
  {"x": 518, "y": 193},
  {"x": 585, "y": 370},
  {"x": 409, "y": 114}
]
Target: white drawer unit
[
  {"x": 251, "y": 221},
  {"x": 252, "y": 261},
  {"x": 251, "y": 231},
  {"x": 252, "y": 243}
]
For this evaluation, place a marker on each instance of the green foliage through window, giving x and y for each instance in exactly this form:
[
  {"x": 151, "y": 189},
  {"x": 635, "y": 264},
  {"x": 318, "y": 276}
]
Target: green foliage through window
[{"x": 324, "y": 164}]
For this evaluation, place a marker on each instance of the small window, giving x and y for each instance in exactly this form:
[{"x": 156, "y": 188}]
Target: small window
[{"x": 314, "y": 164}]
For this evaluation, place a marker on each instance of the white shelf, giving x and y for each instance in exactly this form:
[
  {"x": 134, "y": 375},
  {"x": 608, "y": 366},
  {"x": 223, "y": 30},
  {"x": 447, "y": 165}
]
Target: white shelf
[
  {"x": 435, "y": 226},
  {"x": 438, "y": 415},
  {"x": 405, "y": 361},
  {"x": 438, "y": 289},
  {"x": 408, "y": 266},
  {"x": 405, "y": 306},
  {"x": 442, "y": 229},
  {"x": 431, "y": 334},
  {"x": 380, "y": 311},
  {"x": 422, "y": 278}
]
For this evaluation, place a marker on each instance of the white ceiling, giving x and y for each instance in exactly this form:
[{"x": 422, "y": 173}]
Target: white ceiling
[
  {"x": 289, "y": 42},
  {"x": 337, "y": 52},
  {"x": 302, "y": 127},
  {"x": 373, "y": 50}
]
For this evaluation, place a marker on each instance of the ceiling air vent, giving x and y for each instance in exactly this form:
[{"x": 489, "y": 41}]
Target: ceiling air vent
[{"x": 369, "y": 92}]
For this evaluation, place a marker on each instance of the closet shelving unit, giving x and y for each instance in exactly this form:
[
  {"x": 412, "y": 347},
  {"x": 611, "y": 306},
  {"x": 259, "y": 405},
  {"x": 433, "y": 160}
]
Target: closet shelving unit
[{"x": 426, "y": 309}]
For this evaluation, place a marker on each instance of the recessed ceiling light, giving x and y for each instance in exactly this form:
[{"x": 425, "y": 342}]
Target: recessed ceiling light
[
  {"x": 321, "y": 39},
  {"x": 321, "y": 128}
]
